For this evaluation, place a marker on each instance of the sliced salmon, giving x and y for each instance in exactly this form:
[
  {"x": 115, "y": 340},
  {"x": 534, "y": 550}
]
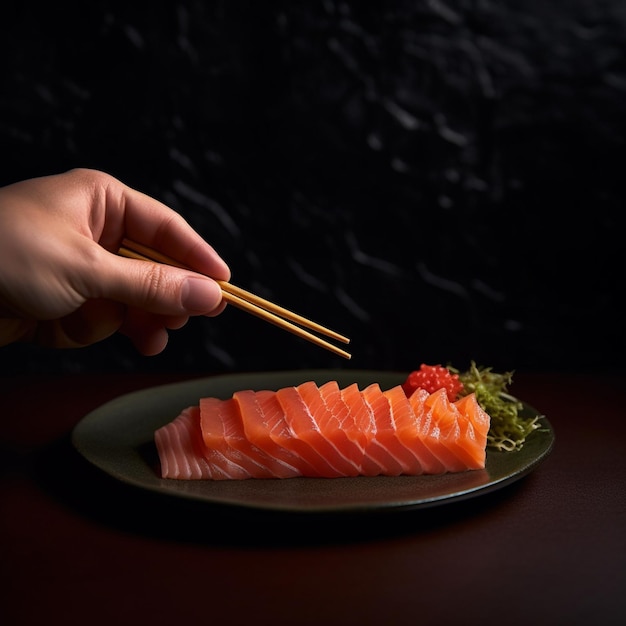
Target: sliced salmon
[
  {"x": 445, "y": 431},
  {"x": 183, "y": 454},
  {"x": 222, "y": 429},
  {"x": 330, "y": 429},
  {"x": 324, "y": 431},
  {"x": 387, "y": 432},
  {"x": 354, "y": 441},
  {"x": 474, "y": 428},
  {"x": 414, "y": 424},
  {"x": 378, "y": 459},
  {"x": 307, "y": 439},
  {"x": 263, "y": 423}
]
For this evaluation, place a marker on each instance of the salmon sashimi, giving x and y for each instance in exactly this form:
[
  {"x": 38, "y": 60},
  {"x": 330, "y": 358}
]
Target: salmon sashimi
[
  {"x": 386, "y": 432},
  {"x": 367, "y": 422},
  {"x": 222, "y": 427},
  {"x": 324, "y": 431},
  {"x": 306, "y": 432},
  {"x": 474, "y": 429},
  {"x": 353, "y": 440},
  {"x": 184, "y": 455},
  {"x": 362, "y": 428},
  {"x": 414, "y": 425},
  {"x": 445, "y": 432},
  {"x": 330, "y": 429},
  {"x": 264, "y": 425}
]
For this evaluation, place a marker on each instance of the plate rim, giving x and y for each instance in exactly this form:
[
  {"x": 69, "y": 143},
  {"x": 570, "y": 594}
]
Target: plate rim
[{"x": 83, "y": 432}]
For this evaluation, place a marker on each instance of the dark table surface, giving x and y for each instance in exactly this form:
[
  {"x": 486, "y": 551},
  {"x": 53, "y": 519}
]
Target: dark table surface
[{"x": 79, "y": 547}]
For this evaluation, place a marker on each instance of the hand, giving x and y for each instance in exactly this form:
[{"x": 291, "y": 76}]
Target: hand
[{"x": 62, "y": 283}]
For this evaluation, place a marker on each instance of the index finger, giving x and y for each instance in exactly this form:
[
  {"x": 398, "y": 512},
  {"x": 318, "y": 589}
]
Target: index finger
[{"x": 151, "y": 223}]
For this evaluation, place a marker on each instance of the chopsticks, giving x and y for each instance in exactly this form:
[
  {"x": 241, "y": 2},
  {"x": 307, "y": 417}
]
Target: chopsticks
[{"x": 249, "y": 302}]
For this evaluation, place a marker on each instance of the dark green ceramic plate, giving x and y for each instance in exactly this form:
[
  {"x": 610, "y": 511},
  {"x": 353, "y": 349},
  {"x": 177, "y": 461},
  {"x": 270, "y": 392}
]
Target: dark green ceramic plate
[{"x": 118, "y": 438}]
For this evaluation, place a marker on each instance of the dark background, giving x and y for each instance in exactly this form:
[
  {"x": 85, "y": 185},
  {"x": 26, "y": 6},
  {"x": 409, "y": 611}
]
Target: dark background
[{"x": 441, "y": 181}]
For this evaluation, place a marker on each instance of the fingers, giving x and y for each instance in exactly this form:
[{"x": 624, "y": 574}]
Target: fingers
[
  {"x": 174, "y": 322},
  {"x": 118, "y": 212},
  {"x": 151, "y": 223},
  {"x": 94, "y": 321},
  {"x": 147, "y": 332},
  {"x": 65, "y": 275},
  {"x": 14, "y": 329},
  {"x": 156, "y": 288}
]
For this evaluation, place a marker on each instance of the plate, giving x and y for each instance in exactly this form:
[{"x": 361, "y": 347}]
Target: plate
[{"x": 118, "y": 438}]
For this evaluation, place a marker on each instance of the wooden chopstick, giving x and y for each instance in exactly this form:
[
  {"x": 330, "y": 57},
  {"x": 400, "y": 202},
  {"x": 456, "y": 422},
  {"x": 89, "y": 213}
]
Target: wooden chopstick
[{"x": 249, "y": 302}]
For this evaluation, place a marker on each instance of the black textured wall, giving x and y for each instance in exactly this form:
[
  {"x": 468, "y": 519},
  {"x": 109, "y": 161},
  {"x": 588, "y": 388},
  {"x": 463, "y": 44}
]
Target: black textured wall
[{"x": 440, "y": 180}]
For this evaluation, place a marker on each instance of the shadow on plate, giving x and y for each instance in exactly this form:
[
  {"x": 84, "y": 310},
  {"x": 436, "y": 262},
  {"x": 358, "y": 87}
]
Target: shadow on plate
[{"x": 94, "y": 494}]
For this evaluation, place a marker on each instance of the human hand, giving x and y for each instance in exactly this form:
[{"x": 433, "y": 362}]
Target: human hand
[{"x": 62, "y": 283}]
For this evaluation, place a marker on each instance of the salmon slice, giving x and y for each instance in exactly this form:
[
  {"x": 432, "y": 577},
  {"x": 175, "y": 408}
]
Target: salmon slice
[
  {"x": 457, "y": 432},
  {"x": 261, "y": 414},
  {"x": 278, "y": 430},
  {"x": 353, "y": 444},
  {"x": 306, "y": 438},
  {"x": 444, "y": 434},
  {"x": 386, "y": 432},
  {"x": 183, "y": 455},
  {"x": 281, "y": 436},
  {"x": 330, "y": 429},
  {"x": 479, "y": 418},
  {"x": 222, "y": 430},
  {"x": 476, "y": 423},
  {"x": 378, "y": 460},
  {"x": 413, "y": 426}
]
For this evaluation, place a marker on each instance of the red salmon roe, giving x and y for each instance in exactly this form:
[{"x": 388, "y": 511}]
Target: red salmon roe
[{"x": 432, "y": 378}]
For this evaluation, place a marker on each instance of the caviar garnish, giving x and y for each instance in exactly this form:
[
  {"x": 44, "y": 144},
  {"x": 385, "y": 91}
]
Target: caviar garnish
[{"x": 432, "y": 378}]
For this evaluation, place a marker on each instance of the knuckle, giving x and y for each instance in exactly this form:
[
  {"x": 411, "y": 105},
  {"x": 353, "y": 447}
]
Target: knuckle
[{"x": 154, "y": 283}]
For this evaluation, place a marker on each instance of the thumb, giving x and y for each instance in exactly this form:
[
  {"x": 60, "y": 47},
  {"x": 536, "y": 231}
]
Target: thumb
[{"x": 157, "y": 288}]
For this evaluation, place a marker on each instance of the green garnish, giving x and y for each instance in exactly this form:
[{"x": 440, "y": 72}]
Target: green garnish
[{"x": 508, "y": 430}]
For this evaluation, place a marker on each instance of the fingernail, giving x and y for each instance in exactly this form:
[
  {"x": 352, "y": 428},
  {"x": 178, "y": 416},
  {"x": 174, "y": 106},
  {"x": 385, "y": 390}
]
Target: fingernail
[{"x": 199, "y": 295}]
